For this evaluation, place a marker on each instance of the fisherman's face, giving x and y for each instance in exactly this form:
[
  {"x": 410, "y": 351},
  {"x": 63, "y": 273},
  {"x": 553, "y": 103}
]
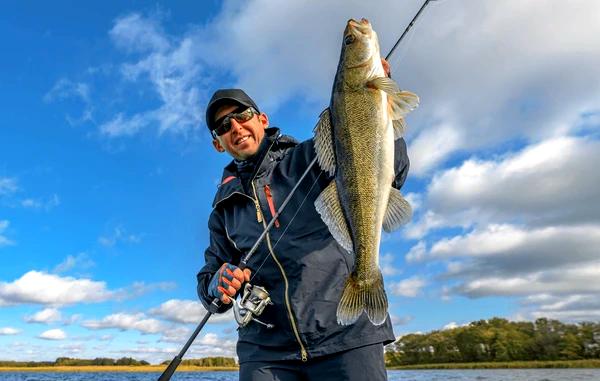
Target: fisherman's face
[{"x": 243, "y": 139}]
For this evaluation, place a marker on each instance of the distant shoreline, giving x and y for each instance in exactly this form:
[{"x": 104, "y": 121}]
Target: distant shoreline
[
  {"x": 184, "y": 368},
  {"x": 505, "y": 365},
  {"x": 114, "y": 368}
]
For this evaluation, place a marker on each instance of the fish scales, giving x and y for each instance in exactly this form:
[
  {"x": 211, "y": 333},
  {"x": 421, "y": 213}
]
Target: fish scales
[{"x": 354, "y": 141}]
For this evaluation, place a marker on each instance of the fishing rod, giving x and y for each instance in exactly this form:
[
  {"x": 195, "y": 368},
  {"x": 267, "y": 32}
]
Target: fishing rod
[
  {"x": 217, "y": 303},
  {"x": 259, "y": 292},
  {"x": 410, "y": 24}
]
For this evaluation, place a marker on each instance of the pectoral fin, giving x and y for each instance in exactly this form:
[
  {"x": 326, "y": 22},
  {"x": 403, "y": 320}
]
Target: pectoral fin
[
  {"x": 329, "y": 207},
  {"x": 398, "y": 211},
  {"x": 384, "y": 84},
  {"x": 402, "y": 103},
  {"x": 323, "y": 142}
]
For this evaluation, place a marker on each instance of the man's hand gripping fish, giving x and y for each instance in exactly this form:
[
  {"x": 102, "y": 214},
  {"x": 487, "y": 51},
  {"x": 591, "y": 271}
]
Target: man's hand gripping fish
[{"x": 354, "y": 141}]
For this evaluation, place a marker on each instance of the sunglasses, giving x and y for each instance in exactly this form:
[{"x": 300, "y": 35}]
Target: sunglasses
[{"x": 224, "y": 123}]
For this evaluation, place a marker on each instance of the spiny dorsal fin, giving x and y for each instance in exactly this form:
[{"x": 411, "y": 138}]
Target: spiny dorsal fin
[
  {"x": 323, "y": 142},
  {"x": 329, "y": 207},
  {"x": 398, "y": 211}
]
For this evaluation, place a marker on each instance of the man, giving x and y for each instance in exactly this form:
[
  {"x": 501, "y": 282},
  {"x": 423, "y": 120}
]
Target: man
[{"x": 299, "y": 263}]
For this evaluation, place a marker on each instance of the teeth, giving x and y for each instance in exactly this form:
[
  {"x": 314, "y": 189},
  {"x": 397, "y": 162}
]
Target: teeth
[{"x": 242, "y": 140}]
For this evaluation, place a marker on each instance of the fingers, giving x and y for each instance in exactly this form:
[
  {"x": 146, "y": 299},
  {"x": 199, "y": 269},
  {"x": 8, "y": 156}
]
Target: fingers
[
  {"x": 239, "y": 275},
  {"x": 229, "y": 281},
  {"x": 386, "y": 67},
  {"x": 247, "y": 274},
  {"x": 225, "y": 299}
]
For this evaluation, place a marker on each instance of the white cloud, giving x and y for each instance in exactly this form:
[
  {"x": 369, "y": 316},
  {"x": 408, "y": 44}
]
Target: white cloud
[
  {"x": 386, "y": 263},
  {"x": 548, "y": 183},
  {"x": 417, "y": 253},
  {"x": 42, "y": 288},
  {"x": 507, "y": 249},
  {"x": 5, "y": 331},
  {"x": 141, "y": 288},
  {"x": 188, "y": 311},
  {"x": 65, "y": 89},
  {"x": 450, "y": 325},
  {"x": 47, "y": 315},
  {"x": 500, "y": 86},
  {"x": 213, "y": 345},
  {"x": 3, "y": 240},
  {"x": 8, "y": 186},
  {"x": 564, "y": 281},
  {"x": 122, "y": 126},
  {"x": 576, "y": 307},
  {"x": 171, "y": 65},
  {"x": 124, "y": 322},
  {"x": 432, "y": 146},
  {"x": 44, "y": 203},
  {"x": 400, "y": 320},
  {"x": 175, "y": 335},
  {"x": 453, "y": 325},
  {"x": 119, "y": 235},
  {"x": 80, "y": 261},
  {"x": 409, "y": 287},
  {"x": 53, "y": 334}
]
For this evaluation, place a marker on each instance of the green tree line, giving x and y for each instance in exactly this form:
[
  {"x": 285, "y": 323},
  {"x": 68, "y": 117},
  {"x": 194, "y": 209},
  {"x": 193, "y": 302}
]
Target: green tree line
[
  {"x": 67, "y": 361},
  {"x": 208, "y": 361},
  {"x": 102, "y": 361},
  {"x": 498, "y": 340}
]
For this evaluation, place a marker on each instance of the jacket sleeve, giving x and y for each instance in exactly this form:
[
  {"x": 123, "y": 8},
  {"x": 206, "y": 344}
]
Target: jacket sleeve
[
  {"x": 401, "y": 163},
  {"x": 219, "y": 251}
]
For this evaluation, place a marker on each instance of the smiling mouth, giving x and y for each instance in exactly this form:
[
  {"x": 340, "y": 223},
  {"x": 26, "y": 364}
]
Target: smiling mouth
[{"x": 242, "y": 139}]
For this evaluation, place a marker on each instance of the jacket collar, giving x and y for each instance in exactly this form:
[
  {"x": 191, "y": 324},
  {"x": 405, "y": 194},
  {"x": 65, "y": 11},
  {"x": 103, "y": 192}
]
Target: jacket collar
[{"x": 230, "y": 182}]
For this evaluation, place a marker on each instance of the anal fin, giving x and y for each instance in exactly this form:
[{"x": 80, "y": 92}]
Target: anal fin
[{"x": 398, "y": 211}]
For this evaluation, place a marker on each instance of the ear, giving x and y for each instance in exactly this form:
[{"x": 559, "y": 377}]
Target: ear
[
  {"x": 218, "y": 145},
  {"x": 263, "y": 119}
]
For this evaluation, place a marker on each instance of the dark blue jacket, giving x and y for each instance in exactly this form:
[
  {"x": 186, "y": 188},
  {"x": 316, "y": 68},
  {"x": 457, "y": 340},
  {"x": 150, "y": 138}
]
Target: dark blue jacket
[{"x": 304, "y": 271}]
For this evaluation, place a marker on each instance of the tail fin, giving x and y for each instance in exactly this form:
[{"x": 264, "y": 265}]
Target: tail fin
[{"x": 359, "y": 296}]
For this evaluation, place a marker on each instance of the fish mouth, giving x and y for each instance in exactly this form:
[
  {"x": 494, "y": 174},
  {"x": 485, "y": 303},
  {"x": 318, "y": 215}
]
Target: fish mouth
[{"x": 358, "y": 27}]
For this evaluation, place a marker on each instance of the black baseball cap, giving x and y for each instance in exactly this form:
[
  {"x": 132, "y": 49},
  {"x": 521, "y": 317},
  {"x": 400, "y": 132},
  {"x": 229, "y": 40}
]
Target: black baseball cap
[{"x": 226, "y": 96}]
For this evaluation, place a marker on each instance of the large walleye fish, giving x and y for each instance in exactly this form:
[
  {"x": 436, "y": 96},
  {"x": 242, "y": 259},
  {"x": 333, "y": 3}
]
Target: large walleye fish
[{"x": 354, "y": 140}]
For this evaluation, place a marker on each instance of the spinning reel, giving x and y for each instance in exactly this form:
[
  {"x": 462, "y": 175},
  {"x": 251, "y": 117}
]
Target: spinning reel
[{"x": 252, "y": 304}]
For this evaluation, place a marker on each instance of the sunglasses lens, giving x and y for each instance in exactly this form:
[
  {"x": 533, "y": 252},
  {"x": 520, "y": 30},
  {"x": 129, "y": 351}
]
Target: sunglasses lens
[
  {"x": 223, "y": 127},
  {"x": 241, "y": 117}
]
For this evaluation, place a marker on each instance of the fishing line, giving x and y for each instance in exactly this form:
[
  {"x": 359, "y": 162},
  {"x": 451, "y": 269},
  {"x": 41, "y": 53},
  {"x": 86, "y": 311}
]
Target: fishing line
[
  {"x": 168, "y": 372},
  {"x": 288, "y": 225}
]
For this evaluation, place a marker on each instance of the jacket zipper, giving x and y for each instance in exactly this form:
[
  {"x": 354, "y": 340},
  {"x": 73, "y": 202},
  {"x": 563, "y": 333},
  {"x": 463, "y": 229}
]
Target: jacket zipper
[
  {"x": 255, "y": 201},
  {"x": 259, "y": 217},
  {"x": 271, "y": 203},
  {"x": 303, "y": 353}
]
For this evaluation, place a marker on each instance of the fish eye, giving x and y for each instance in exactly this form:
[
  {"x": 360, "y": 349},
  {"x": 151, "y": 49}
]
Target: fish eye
[{"x": 348, "y": 39}]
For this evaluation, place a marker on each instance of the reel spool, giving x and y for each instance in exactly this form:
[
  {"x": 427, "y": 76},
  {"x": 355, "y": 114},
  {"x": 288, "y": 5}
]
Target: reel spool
[{"x": 252, "y": 304}]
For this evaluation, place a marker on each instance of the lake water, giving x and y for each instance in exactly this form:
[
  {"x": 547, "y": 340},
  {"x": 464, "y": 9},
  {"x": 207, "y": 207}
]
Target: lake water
[{"x": 393, "y": 375}]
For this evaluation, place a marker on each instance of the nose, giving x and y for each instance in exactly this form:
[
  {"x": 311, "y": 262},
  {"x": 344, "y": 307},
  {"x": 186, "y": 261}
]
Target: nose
[{"x": 235, "y": 125}]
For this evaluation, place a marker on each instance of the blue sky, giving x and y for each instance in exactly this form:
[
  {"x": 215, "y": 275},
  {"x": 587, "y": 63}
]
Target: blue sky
[{"x": 107, "y": 172}]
